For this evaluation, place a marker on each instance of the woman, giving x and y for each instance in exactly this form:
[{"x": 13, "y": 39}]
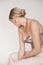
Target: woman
[{"x": 30, "y": 31}]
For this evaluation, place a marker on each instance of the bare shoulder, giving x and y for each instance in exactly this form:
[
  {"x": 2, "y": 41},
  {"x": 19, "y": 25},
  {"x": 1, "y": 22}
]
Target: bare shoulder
[
  {"x": 34, "y": 20},
  {"x": 37, "y": 24},
  {"x": 34, "y": 25}
]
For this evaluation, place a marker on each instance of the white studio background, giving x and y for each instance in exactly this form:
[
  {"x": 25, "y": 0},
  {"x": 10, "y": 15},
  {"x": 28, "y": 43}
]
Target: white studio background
[{"x": 9, "y": 41}]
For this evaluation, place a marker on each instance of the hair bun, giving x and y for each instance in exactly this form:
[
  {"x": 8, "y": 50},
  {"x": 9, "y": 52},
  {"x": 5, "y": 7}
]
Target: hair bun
[{"x": 23, "y": 12}]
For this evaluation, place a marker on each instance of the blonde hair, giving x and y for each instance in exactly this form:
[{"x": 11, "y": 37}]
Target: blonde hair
[{"x": 17, "y": 12}]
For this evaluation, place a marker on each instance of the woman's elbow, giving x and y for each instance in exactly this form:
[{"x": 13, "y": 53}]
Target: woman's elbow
[{"x": 38, "y": 50}]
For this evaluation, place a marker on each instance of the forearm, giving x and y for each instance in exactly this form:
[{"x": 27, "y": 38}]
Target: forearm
[
  {"x": 31, "y": 53},
  {"x": 21, "y": 51}
]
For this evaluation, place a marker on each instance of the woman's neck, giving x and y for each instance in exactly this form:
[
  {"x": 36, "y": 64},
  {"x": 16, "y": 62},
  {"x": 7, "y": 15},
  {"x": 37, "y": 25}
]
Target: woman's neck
[
  {"x": 27, "y": 27},
  {"x": 22, "y": 22},
  {"x": 25, "y": 24}
]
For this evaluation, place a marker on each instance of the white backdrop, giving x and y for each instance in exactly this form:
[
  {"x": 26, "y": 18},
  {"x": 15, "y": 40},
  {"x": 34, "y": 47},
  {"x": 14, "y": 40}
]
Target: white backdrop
[{"x": 9, "y": 41}]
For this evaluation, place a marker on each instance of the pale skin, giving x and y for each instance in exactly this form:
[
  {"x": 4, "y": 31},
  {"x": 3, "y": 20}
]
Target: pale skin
[{"x": 33, "y": 28}]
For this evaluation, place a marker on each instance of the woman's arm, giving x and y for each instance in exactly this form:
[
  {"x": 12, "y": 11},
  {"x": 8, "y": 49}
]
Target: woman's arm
[
  {"x": 22, "y": 45},
  {"x": 36, "y": 41}
]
